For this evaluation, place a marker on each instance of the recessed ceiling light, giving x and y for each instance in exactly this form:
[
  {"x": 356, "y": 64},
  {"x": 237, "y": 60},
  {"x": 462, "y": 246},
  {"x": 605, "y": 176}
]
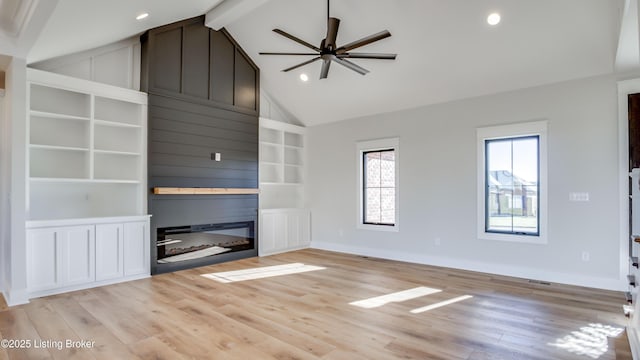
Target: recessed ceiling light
[
  {"x": 304, "y": 77},
  {"x": 142, "y": 16},
  {"x": 493, "y": 19}
]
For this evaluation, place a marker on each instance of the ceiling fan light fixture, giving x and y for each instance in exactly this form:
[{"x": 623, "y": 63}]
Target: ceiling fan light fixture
[
  {"x": 493, "y": 19},
  {"x": 329, "y": 52}
]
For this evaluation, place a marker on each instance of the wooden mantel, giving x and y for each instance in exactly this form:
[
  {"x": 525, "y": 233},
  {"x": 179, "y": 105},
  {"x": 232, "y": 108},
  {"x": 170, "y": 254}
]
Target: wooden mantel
[{"x": 203, "y": 191}]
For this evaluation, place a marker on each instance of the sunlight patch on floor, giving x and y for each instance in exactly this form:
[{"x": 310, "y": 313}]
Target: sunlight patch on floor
[
  {"x": 261, "y": 272},
  {"x": 589, "y": 340},
  {"x": 399, "y": 296},
  {"x": 440, "y": 304}
]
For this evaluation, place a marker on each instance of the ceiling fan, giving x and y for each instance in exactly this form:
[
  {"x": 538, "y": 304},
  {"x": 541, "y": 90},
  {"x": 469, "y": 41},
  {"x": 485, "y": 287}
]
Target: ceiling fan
[{"x": 328, "y": 51}]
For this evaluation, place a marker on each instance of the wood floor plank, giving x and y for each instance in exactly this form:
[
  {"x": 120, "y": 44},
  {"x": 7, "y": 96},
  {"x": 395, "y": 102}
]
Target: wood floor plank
[
  {"x": 54, "y": 331},
  {"x": 16, "y": 327},
  {"x": 107, "y": 345},
  {"x": 152, "y": 348},
  {"x": 310, "y": 315}
]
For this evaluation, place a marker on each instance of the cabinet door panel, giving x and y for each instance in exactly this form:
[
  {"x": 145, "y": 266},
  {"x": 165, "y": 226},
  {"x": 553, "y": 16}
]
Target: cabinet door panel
[
  {"x": 78, "y": 255},
  {"x": 109, "y": 251},
  {"x": 274, "y": 236},
  {"x": 136, "y": 248},
  {"x": 43, "y": 248}
]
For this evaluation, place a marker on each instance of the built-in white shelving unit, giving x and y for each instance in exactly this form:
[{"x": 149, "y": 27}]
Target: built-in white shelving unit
[
  {"x": 87, "y": 149},
  {"x": 86, "y": 184},
  {"x": 633, "y": 309},
  {"x": 284, "y": 220}
]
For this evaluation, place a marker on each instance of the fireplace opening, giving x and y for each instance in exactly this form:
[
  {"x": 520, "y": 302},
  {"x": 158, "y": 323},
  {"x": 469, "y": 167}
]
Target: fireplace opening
[{"x": 183, "y": 243}]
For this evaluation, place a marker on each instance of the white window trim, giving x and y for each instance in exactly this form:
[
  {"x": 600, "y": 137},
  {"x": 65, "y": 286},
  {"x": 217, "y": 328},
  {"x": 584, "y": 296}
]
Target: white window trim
[
  {"x": 538, "y": 128},
  {"x": 373, "y": 145}
]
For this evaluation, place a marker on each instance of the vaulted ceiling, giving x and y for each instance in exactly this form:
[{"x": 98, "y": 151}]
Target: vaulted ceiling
[{"x": 446, "y": 50}]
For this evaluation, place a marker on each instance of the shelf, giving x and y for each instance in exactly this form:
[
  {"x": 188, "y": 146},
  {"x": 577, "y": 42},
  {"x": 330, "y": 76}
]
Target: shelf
[
  {"x": 281, "y": 184},
  {"x": 293, "y": 156},
  {"x": 117, "y": 138},
  {"x": 271, "y": 136},
  {"x": 282, "y": 164},
  {"x": 66, "y": 132},
  {"x": 204, "y": 191},
  {"x": 293, "y": 139},
  {"x": 59, "y": 162},
  {"x": 65, "y": 180},
  {"x": 113, "y": 152},
  {"x": 86, "y": 148},
  {"x": 117, "y": 112},
  {"x": 270, "y": 163},
  {"x": 270, "y": 143},
  {"x": 60, "y": 102},
  {"x": 55, "y": 147},
  {"x": 114, "y": 123},
  {"x": 111, "y": 166},
  {"x": 80, "y": 180},
  {"x": 46, "y": 114}
]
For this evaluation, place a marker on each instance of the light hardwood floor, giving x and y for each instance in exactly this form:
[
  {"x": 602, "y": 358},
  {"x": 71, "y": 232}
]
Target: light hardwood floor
[{"x": 308, "y": 315}]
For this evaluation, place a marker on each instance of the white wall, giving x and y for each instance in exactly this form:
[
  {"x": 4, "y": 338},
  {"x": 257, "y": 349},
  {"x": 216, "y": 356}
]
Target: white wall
[
  {"x": 271, "y": 109},
  {"x": 4, "y": 194},
  {"x": 115, "y": 64},
  {"x": 13, "y": 234},
  {"x": 438, "y": 184}
]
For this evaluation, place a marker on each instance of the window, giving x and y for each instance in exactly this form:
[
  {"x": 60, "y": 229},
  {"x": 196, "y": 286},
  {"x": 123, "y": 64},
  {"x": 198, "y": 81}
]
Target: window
[
  {"x": 378, "y": 185},
  {"x": 511, "y": 185},
  {"x": 512, "y": 182}
]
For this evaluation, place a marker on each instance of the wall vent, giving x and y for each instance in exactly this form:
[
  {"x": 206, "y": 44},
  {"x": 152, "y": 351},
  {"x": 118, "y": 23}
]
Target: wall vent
[{"x": 539, "y": 282}]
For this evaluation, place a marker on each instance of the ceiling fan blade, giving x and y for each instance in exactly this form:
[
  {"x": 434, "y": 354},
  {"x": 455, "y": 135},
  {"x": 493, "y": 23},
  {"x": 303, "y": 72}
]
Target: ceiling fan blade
[
  {"x": 332, "y": 32},
  {"x": 367, "y": 56},
  {"x": 348, "y": 64},
  {"x": 364, "y": 41},
  {"x": 302, "y": 64},
  {"x": 286, "y": 53},
  {"x": 324, "y": 72},
  {"x": 298, "y": 40}
]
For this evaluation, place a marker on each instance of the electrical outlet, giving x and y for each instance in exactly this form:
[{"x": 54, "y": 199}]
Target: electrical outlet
[
  {"x": 585, "y": 256},
  {"x": 579, "y": 196}
]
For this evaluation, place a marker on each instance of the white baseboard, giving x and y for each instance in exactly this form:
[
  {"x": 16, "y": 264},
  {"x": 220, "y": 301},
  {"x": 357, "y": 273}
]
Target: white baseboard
[
  {"x": 16, "y": 297},
  {"x": 632, "y": 334},
  {"x": 89, "y": 285},
  {"x": 464, "y": 264}
]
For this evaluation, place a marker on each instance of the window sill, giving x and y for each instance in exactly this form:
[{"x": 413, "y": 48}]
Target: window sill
[
  {"x": 386, "y": 228},
  {"x": 527, "y": 239}
]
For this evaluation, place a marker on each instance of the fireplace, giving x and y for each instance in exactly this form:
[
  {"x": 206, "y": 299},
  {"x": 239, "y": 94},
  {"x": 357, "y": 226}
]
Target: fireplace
[{"x": 194, "y": 244}]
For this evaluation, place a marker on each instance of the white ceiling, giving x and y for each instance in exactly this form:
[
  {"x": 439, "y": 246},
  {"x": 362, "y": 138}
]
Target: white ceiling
[{"x": 446, "y": 51}]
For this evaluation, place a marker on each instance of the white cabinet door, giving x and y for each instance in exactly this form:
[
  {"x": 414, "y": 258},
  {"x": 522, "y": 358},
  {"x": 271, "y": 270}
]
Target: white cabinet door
[
  {"x": 78, "y": 254},
  {"x": 109, "y": 251},
  {"x": 273, "y": 237},
  {"x": 283, "y": 230},
  {"x": 43, "y": 251},
  {"x": 59, "y": 257},
  {"x": 298, "y": 229},
  {"x": 136, "y": 248}
]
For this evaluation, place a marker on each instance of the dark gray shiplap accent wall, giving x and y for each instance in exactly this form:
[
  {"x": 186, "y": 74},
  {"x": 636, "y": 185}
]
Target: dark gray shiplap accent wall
[
  {"x": 203, "y": 99},
  {"x": 183, "y": 136}
]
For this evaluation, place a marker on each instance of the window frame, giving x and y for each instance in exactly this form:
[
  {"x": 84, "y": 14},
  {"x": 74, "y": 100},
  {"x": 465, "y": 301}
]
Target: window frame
[
  {"x": 364, "y": 147},
  {"x": 513, "y": 131}
]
